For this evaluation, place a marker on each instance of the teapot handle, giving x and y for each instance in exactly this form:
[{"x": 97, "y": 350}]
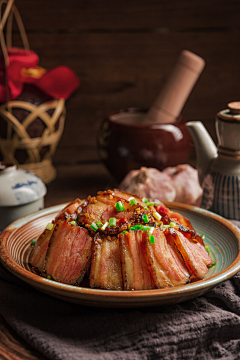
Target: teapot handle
[{"x": 206, "y": 150}]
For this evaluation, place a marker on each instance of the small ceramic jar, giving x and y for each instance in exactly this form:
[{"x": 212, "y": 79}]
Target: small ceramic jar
[{"x": 21, "y": 193}]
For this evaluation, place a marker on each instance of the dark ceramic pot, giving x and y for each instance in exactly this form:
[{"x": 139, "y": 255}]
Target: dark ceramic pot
[{"x": 124, "y": 144}]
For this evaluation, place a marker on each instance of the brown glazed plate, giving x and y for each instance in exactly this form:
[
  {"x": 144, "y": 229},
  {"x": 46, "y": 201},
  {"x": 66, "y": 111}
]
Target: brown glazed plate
[{"x": 222, "y": 238}]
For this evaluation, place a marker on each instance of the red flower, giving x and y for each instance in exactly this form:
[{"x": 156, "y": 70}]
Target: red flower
[{"x": 59, "y": 82}]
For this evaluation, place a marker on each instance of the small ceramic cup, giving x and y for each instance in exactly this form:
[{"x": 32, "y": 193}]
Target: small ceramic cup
[{"x": 125, "y": 144}]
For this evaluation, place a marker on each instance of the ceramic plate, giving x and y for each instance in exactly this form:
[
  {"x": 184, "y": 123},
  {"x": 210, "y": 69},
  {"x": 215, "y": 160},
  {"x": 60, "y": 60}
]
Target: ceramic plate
[{"x": 222, "y": 237}]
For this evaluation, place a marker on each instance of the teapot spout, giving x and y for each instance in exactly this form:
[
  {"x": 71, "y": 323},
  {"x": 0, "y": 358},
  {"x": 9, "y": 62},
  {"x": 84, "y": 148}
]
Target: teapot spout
[{"x": 206, "y": 150}]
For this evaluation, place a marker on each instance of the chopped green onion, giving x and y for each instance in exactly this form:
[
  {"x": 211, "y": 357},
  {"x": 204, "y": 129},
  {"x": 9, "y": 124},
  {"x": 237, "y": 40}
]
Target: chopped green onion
[
  {"x": 33, "y": 241},
  {"x": 166, "y": 226},
  {"x": 203, "y": 237},
  {"x": 145, "y": 218},
  {"x": 124, "y": 232},
  {"x": 150, "y": 203},
  {"x": 151, "y": 229},
  {"x": 132, "y": 201},
  {"x": 145, "y": 200},
  {"x": 49, "y": 277},
  {"x": 104, "y": 226},
  {"x": 152, "y": 239},
  {"x": 145, "y": 208},
  {"x": 99, "y": 224},
  {"x": 207, "y": 248},
  {"x": 49, "y": 226},
  {"x": 94, "y": 227},
  {"x": 137, "y": 227},
  {"x": 112, "y": 222},
  {"x": 73, "y": 223},
  {"x": 172, "y": 224},
  {"x": 157, "y": 215},
  {"x": 119, "y": 206},
  {"x": 213, "y": 263},
  {"x": 147, "y": 228}
]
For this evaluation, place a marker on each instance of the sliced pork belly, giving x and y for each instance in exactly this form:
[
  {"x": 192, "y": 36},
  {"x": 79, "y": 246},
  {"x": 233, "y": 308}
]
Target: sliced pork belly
[
  {"x": 39, "y": 250},
  {"x": 97, "y": 211},
  {"x": 110, "y": 198},
  {"x": 166, "y": 264},
  {"x": 193, "y": 252},
  {"x": 93, "y": 212},
  {"x": 126, "y": 195},
  {"x": 105, "y": 265},
  {"x": 123, "y": 257},
  {"x": 180, "y": 219},
  {"x": 135, "y": 269},
  {"x": 69, "y": 253},
  {"x": 71, "y": 210},
  {"x": 170, "y": 215},
  {"x": 103, "y": 207}
]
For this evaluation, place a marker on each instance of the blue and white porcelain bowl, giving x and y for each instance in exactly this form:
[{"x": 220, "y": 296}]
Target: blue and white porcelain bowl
[{"x": 21, "y": 193}]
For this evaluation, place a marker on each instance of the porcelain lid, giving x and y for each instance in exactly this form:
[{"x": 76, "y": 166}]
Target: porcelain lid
[{"x": 18, "y": 186}]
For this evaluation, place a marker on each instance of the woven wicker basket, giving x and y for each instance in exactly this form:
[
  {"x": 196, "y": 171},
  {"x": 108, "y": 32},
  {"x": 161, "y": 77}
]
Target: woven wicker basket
[
  {"x": 18, "y": 137},
  {"x": 51, "y": 113}
]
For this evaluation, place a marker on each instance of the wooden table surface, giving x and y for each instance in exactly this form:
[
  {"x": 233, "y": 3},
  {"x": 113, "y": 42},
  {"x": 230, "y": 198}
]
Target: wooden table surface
[{"x": 72, "y": 181}]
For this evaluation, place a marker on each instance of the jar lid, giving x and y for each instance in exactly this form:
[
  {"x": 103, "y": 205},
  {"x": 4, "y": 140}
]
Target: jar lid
[
  {"x": 232, "y": 113},
  {"x": 234, "y": 107},
  {"x": 18, "y": 186}
]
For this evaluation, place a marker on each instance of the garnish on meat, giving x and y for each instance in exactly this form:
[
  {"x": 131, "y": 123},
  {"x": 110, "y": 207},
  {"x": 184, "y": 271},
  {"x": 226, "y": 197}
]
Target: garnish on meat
[{"x": 123, "y": 242}]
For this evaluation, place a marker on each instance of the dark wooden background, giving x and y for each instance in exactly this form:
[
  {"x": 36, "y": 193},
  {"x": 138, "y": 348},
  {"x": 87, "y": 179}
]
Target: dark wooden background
[{"x": 123, "y": 51}]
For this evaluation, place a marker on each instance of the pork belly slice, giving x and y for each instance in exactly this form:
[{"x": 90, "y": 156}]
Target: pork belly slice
[
  {"x": 135, "y": 268},
  {"x": 193, "y": 252},
  {"x": 38, "y": 253},
  {"x": 180, "y": 219},
  {"x": 69, "y": 253},
  {"x": 71, "y": 210},
  {"x": 166, "y": 264},
  {"x": 109, "y": 197},
  {"x": 105, "y": 265},
  {"x": 102, "y": 208},
  {"x": 93, "y": 212},
  {"x": 170, "y": 215},
  {"x": 126, "y": 195}
]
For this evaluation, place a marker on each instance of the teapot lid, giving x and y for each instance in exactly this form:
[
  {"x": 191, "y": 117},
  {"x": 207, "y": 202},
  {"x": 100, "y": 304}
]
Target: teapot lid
[
  {"x": 19, "y": 186},
  {"x": 232, "y": 113}
]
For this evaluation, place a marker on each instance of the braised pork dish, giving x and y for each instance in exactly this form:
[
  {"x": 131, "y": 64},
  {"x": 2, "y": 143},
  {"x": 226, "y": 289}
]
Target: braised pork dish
[{"x": 120, "y": 241}]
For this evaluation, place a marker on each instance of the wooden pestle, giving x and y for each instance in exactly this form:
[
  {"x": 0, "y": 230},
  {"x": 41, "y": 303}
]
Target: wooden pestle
[{"x": 169, "y": 103}]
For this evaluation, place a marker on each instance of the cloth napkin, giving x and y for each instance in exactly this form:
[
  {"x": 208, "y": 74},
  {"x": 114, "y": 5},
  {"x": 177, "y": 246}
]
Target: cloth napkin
[{"x": 207, "y": 327}]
